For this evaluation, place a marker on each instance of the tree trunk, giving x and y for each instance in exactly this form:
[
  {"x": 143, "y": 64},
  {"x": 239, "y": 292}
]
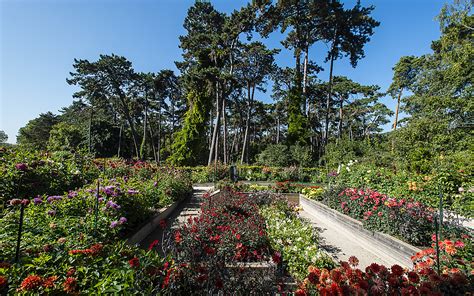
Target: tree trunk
[
  {"x": 120, "y": 139},
  {"x": 145, "y": 121},
  {"x": 328, "y": 101},
  {"x": 305, "y": 81},
  {"x": 247, "y": 122},
  {"x": 341, "y": 103},
  {"x": 216, "y": 127},
  {"x": 396, "y": 110},
  {"x": 224, "y": 132},
  {"x": 278, "y": 129},
  {"x": 90, "y": 129}
]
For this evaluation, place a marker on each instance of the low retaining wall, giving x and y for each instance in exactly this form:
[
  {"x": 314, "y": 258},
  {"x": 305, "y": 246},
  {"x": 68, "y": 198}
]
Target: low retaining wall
[
  {"x": 148, "y": 227},
  {"x": 316, "y": 208}
]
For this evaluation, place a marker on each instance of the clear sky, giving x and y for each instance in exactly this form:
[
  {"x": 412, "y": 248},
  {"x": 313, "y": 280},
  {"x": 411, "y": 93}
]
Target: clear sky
[{"x": 40, "y": 38}]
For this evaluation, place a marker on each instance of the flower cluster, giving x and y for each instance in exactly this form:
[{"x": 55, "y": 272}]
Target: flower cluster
[
  {"x": 410, "y": 220},
  {"x": 92, "y": 251},
  {"x": 229, "y": 230},
  {"x": 380, "y": 280},
  {"x": 455, "y": 255}
]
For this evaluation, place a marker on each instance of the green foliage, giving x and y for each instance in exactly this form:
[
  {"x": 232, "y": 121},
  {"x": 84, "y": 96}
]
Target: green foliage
[
  {"x": 35, "y": 134},
  {"x": 3, "y": 137},
  {"x": 64, "y": 136},
  {"x": 189, "y": 142},
  {"x": 274, "y": 155}
]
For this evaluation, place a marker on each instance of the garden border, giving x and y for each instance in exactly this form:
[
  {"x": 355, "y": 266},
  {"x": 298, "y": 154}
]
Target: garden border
[
  {"x": 403, "y": 248},
  {"x": 147, "y": 227}
]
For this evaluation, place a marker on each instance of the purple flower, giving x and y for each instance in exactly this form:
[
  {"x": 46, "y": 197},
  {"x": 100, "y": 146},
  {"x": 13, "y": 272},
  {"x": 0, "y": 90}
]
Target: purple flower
[
  {"x": 21, "y": 167},
  {"x": 125, "y": 179},
  {"x": 122, "y": 220},
  {"x": 114, "y": 224},
  {"x": 111, "y": 204},
  {"x": 72, "y": 194},
  {"x": 37, "y": 200},
  {"x": 132, "y": 191},
  {"x": 51, "y": 212},
  {"x": 101, "y": 199},
  {"x": 333, "y": 174},
  {"x": 109, "y": 190},
  {"x": 54, "y": 198},
  {"x": 155, "y": 184}
]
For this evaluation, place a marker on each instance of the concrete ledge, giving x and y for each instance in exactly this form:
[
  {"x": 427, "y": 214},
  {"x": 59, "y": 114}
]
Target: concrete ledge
[
  {"x": 317, "y": 208},
  {"x": 149, "y": 226}
]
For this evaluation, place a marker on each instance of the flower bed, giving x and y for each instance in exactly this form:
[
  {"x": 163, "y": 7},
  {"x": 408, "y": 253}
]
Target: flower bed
[
  {"x": 79, "y": 232},
  {"x": 380, "y": 280},
  {"x": 209, "y": 248},
  {"x": 296, "y": 240},
  {"x": 408, "y": 220}
]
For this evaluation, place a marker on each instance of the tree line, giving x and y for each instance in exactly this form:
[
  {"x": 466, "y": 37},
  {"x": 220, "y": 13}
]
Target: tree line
[{"x": 212, "y": 111}]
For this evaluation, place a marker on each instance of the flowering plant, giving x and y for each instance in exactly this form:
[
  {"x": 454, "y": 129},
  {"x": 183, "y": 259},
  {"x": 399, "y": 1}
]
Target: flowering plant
[{"x": 380, "y": 280}]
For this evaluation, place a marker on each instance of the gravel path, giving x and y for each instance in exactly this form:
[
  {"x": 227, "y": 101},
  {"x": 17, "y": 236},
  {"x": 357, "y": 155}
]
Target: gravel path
[{"x": 342, "y": 242}]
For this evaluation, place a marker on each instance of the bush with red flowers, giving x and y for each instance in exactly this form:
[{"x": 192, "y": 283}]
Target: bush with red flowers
[
  {"x": 408, "y": 220},
  {"x": 380, "y": 280},
  {"x": 228, "y": 231}
]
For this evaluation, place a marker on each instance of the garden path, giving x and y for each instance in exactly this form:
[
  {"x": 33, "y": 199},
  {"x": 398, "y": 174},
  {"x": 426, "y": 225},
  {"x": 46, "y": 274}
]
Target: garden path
[
  {"x": 341, "y": 242},
  {"x": 188, "y": 208}
]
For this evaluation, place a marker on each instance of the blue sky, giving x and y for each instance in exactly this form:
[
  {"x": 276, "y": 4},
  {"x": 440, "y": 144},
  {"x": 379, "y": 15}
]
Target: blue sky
[{"x": 40, "y": 38}]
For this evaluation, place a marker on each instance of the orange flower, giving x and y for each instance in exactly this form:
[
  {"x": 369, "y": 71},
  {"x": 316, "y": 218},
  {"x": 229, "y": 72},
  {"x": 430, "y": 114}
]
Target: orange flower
[
  {"x": 70, "y": 285},
  {"x": 451, "y": 250},
  {"x": 31, "y": 282},
  {"x": 49, "y": 282}
]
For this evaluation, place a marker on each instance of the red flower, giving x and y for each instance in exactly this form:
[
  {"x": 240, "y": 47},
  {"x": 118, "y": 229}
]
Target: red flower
[
  {"x": 153, "y": 244},
  {"x": 3, "y": 282},
  {"x": 300, "y": 292},
  {"x": 374, "y": 267},
  {"x": 353, "y": 261},
  {"x": 134, "y": 262},
  {"x": 219, "y": 284},
  {"x": 163, "y": 223},
  {"x": 177, "y": 237},
  {"x": 70, "y": 285},
  {"x": 49, "y": 282},
  {"x": 397, "y": 270},
  {"x": 71, "y": 272},
  {"x": 413, "y": 277},
  {"x": 276, "y": 257},
  {"x": 31, "y": 282}
]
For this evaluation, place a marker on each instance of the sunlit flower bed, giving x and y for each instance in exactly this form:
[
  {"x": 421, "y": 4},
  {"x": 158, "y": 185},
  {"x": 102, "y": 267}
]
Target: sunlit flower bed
[
  {"x": 73, "y": 243},
  {"x": 228, "y": 231},
  {"x": 295, "y": 239},
  {"x": 380, "y": 280}
]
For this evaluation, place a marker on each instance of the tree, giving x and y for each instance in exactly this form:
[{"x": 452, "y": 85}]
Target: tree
[
  {"x": 202, "y": 24},
  {"x": 404, "y": 74},
  {"x": 440, "y": 110},
  {"x": 350, "y": 31},
  {"x": 35, "y": 134},
  {"x": 109, "y": 80},
  {"x": 255, "y": 65},
  {"x": 3, "y": 137},
  {"x": 64, "y": 136}
]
